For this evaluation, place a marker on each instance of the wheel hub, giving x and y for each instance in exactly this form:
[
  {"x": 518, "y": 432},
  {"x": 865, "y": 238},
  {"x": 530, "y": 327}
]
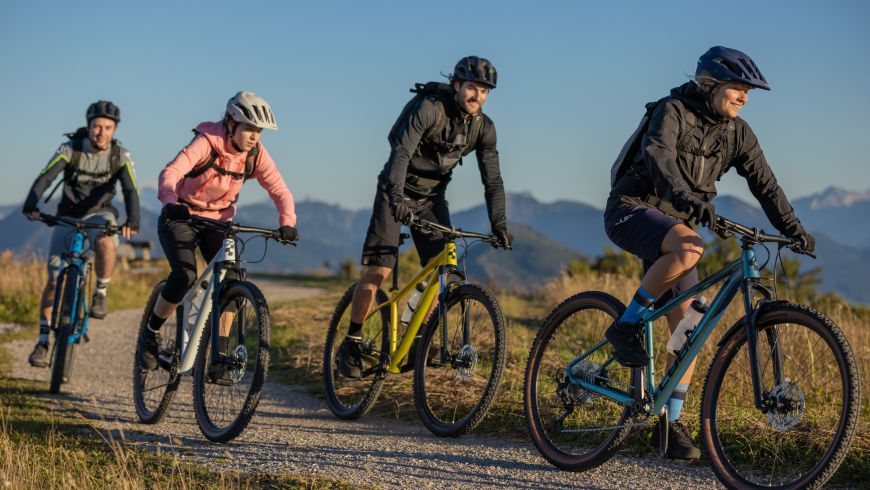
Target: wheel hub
[
  {"x": 788, "y": 406},
  {"x": 240, "y": 356},
  {"x": 465, "y": 362}
]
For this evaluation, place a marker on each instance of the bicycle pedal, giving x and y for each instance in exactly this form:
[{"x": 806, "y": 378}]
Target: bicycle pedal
[{"x": 86, "y": 337}]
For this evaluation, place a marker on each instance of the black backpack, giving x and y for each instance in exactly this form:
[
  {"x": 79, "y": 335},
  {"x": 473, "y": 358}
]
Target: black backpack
[
  {"x": 72, "y": 170},
  {"x": 250, "y": 164},
  {"x": 625, "y": 158},
  {"x": 442, "y": 92}
]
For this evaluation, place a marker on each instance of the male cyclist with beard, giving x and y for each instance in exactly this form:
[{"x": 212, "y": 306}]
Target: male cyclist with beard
[
  {"x": 665, "y": 178},
  {"x": 428, "y": 141},
  {"x": 93, "y": 163},
  {"x": 205, "y": 179}
]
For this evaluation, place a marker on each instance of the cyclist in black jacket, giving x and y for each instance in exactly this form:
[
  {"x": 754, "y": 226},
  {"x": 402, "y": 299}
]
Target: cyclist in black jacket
[
  {"x": 427, "y": 142},
  {"x": 92, "y": 163},
  {"x": 693, "y": 137}
]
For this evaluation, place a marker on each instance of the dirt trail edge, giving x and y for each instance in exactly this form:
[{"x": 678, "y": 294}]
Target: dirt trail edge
[{"x": 293, "y": 431}]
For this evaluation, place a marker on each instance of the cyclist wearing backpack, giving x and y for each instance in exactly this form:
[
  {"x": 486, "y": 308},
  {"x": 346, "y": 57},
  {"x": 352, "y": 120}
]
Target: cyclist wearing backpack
[
  {"x": 92, "y": 162},
  {"x": 439, "y": 126},
  {"x": 665, "y": 177},
  {"x": 204, "y": 179}
]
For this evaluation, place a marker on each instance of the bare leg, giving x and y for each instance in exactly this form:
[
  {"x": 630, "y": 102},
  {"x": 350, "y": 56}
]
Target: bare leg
[
  {"x": 681, "y": 250},
  {"x": 105, "y": 261},
  {"x": 364, "y": 294},
  {"x": 47, "y": 299}
]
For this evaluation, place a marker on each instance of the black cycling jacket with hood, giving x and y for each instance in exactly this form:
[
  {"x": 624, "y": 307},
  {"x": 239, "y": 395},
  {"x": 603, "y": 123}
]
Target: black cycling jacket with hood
[
  {"x": 678, "y": 157},
  {"x": 415, "y": 155}
]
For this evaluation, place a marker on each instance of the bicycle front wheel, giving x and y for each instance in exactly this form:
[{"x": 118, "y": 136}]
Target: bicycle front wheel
[
  {"x": 62, "y": 322},
  {"x": 153, "y": 390},
  {"x": 811, "y": 389},
  {"x": 227, "y": 380},
  {"x": 460, "y": 361},
  {"x": 573, "y": 428},
  {"x": 351, "y": 398}
]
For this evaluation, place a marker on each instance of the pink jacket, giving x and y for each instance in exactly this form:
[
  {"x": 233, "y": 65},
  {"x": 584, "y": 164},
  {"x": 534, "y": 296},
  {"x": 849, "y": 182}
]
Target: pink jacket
[{"x": 214, "y": 192}]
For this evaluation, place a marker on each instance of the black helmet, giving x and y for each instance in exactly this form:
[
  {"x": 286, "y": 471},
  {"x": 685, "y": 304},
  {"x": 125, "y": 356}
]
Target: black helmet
[
  {"x": 103, "y": 108},
  {"x": 476, "y": 69},
  {"x": 726, "y": 64}
]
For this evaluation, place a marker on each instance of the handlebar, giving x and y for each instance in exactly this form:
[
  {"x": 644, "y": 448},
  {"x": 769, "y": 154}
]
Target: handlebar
[
  {"x": 52, "y": 220},
  {"x": 726, "y": 228},
  {"x": 233, "y": 228},
  {"x": 451, "y": 231}
]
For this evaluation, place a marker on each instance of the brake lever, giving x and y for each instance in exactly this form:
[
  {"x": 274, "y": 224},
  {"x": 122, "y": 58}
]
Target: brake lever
[{"x": 796, "y": 248}]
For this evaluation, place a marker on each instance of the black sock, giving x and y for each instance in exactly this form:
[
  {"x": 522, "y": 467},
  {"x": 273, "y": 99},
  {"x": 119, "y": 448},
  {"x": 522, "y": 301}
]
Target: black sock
[
  {"x": 355, "y": 329},
  {"x": 155, "y": 322}
]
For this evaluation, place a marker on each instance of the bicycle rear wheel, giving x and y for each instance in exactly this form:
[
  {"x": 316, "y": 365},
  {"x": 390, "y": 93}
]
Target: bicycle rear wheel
[
  {"x": 456, "y": 381},
  {"x": 226, "y": 388},
  {"x": 575, "y": 429},
  {"x": 153, "y": 390},
  {"x": 810, "y": 380},
  {"x": 62, "y": 322}
]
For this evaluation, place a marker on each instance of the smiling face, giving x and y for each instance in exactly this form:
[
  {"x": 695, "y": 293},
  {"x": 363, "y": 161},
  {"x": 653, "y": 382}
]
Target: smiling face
[
  {"x": 246, "y": 136},
  {"x": 729, "y": 98},
  {"x": 470, "y": 95},
  {"x": 100, "y": 132}
]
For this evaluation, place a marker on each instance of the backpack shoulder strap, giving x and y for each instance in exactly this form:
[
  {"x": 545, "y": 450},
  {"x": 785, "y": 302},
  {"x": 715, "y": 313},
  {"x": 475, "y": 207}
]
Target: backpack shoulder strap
[
  {"x": 730, "y": 143},
  {"x": 474, "y": 132},
  {"x": 251, "y": 161},
  {"x": 440, "y": 118},
  {"x": 115, "y": 157}
]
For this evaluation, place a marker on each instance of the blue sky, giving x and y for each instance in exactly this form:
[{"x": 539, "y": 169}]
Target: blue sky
[{"x": 573, "y": 78}]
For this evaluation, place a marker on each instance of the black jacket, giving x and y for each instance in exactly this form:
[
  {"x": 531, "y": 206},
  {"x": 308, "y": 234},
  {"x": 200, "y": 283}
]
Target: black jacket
[
  {"x": 677, "y": 157},
  {"x": 414, "y": 156}
]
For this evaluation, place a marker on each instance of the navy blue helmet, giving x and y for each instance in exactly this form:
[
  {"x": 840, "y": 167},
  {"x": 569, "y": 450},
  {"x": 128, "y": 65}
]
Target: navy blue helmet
[{"x": 726, "y": 64}]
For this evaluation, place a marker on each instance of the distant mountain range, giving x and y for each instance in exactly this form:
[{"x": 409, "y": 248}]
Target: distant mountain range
[{"x": 547, "y": 236}]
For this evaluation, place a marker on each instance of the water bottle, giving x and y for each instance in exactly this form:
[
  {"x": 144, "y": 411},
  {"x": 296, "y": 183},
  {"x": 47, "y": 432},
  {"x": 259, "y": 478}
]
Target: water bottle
[
  {"x": 412, "y": 303},
  {"x": 687, "y": 324}
]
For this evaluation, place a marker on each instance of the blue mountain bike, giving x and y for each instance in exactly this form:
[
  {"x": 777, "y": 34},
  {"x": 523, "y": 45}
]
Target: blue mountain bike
[
  {"x": 780, "y": 403},
  {"x": 69, "y": 312}
]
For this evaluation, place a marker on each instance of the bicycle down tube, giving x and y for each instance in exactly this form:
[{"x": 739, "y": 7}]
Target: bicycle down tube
[
  {"x": 191, "y": 337},
  {"x": 432, "y": 272},
  {"x": 734, "y": 274}
]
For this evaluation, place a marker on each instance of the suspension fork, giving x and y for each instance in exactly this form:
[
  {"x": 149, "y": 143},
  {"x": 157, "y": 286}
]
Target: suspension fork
[
  {"x": 442, "y": 314},
  {"x": 772, "y": 337}
]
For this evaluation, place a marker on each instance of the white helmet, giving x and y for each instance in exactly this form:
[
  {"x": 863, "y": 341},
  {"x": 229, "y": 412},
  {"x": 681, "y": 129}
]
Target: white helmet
[{"x": 250, "y": 108}]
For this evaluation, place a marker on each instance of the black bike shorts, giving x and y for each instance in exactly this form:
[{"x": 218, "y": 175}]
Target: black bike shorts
[{"x": 381, "y": 245}]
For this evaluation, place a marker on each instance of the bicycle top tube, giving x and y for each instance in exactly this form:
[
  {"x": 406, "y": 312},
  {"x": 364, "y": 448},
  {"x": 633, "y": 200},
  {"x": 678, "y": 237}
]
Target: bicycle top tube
[
  {"x": 451, "y": 231},
  {"x": 234, "y": 228}
]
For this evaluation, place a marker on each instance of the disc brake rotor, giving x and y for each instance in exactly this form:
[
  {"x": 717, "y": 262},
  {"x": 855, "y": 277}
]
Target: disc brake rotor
[{"x": 789, "y": 408}]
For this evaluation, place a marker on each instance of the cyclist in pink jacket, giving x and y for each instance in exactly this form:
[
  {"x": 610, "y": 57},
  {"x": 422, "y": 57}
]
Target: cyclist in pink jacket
[{"x": 204, "y": 179}]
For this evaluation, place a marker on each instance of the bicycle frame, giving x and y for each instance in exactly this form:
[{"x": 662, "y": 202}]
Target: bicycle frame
[
  {"x": 436, "y": 273},
  {"x": 73, "y": 256},
  {"x": 740, "y": 275},
  {"x": 200, "y": 300}
]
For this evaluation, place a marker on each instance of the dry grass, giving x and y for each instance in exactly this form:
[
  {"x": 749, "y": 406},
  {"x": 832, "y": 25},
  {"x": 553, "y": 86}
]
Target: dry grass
[{"x": 22, "y": 281}]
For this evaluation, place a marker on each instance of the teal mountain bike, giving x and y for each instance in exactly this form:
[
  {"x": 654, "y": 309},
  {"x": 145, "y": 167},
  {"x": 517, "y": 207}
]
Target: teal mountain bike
[{"x": 780, "y": 402}]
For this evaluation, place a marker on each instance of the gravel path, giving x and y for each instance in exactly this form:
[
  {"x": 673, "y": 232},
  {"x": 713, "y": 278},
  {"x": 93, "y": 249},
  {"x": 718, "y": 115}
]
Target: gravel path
[{"x": 293, "y": 431}]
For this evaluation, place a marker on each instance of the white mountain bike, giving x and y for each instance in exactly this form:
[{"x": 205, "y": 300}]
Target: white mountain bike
[{"x": 228, "y": 374}]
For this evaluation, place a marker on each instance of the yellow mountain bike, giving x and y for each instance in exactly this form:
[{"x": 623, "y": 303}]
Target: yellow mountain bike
[{"x": 458, "y": 359}]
